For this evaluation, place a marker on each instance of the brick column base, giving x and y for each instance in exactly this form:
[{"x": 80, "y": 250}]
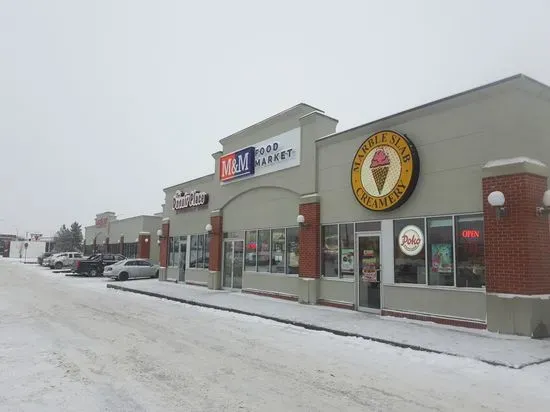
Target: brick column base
[
  {"x": 144, "y": 245},
  {"x": 164, "y": 243},
  {"x": 215, "y": 251},
  {"x": 517, "y": 248},
  {"x": 309, "y": 247}
]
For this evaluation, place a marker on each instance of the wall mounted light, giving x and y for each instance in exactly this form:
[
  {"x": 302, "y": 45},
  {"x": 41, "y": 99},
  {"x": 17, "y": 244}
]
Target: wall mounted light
[
  {"x": 146, "y": 240},
  {"x": 137, "y": 240},
  {"x": 159, "y": 233},
  {"x": 301, "y": 220},
  {"x": 544, "y": 210},
  {"x": 208, "y": 228},
  {"x": 496, "y": 199},
  {"x": 158, "y": 242}
]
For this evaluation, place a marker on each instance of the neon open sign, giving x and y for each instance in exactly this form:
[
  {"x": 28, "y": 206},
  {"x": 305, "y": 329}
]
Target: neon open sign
[{"x": 470, "y": 234}]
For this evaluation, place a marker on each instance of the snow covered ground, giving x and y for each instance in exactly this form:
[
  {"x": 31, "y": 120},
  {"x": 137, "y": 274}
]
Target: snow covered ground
[{"x": 70, "y": 344}]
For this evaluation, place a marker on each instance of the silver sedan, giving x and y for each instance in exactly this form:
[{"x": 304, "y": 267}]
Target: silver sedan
[{"x": 132, "y": 269}]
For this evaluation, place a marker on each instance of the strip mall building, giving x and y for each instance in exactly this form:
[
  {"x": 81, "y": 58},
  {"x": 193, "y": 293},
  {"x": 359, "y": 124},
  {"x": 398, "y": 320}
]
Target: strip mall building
[{"x": 391, "y": 217}]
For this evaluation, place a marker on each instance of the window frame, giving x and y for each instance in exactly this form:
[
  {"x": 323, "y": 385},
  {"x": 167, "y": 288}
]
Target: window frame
[
  {"x": 271, "y": 229},
  {"x": 454, "y": 217}
]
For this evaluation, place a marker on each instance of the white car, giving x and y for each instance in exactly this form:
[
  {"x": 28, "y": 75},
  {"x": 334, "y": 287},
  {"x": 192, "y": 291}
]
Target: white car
[
  {"x": 131, "y": 269},
  {"x": 63, "y": 260}
]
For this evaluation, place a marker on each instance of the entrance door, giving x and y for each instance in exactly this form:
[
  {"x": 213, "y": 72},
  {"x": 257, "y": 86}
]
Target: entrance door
[
  {"x": 368, "y": 271},
  {"x": 233, "y": 258},
  {"x": 183, "y": 258}
]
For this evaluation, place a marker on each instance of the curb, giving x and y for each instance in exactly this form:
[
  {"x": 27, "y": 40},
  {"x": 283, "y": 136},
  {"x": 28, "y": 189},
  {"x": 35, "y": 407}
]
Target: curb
[{"x": 317, "y": 328}]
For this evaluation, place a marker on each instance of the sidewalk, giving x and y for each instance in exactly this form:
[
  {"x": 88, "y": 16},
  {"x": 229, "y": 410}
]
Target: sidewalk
[{"x": 503, "y": 350}]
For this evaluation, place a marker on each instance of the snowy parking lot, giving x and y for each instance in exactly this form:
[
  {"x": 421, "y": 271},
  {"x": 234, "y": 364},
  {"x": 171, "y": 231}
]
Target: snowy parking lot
[{"x": 71, "y": 344}]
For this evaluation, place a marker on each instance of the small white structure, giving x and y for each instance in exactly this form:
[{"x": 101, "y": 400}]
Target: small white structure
[{"x": 33, "y": 250}]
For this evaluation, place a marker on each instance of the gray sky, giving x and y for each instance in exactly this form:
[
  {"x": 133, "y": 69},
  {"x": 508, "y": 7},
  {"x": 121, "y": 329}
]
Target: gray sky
[{"x": 105, "y": 102}]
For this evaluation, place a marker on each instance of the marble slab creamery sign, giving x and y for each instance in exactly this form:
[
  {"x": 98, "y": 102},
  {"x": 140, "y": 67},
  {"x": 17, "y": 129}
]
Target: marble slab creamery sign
[{"x": 384, "y": 171}]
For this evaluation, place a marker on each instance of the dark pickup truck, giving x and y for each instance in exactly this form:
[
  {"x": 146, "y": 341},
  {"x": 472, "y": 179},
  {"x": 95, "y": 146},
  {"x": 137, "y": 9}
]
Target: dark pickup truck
[{"x": 94, "y": 265}]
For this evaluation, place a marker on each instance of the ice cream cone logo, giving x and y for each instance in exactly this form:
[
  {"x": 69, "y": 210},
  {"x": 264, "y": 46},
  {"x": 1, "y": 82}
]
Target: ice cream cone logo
[
  {"x": 385, "y": 171},
  {"x": 380, "y": 166}
]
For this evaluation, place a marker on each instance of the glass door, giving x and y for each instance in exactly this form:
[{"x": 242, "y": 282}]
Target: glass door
[
  {"x": 368, "y": 271},
  {"x": 233, "y": 260},
  {"x": 183, "y": 258},
  {"x": 227, "y": 263},
  {"x": 238, "y": 260}
]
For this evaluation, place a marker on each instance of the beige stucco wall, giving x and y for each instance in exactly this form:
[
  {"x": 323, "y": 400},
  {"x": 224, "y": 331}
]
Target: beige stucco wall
[
  {"x": 339, "y": 291},
  {"x": 286, "y": 284},
  {"x": 454, "y": 140},
  {"x": 196, "y": 276},
  {"x": 449, "y": 302}
]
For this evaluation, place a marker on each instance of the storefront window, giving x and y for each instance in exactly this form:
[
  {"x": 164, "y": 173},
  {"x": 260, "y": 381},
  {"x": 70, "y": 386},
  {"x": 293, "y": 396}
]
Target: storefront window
[
  {"x": 292, "y": 250},
  {"x": 251, "y": 239},
  {"x": 346, "y": 250},
  {"x": 409, "y": 251},
  {"x": 194, "y": 251},
  {"x": 263, "y": 250},
  {"x": 207, "y": 240},
  {"x": 440, "y": 251},
  {"x": 329, "y": 259},
  {"x": 176, "y": 254},
  {"x": 470, "y": 252},
  {"x": 278, "y": 246},
  {"x": 200, "y": 252}
]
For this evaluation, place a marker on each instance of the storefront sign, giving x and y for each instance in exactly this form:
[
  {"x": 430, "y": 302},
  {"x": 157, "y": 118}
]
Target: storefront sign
[
  {"x": 271, "y": 155},
  {"x": 470, "y": 234},
  {"x": 101, "y": 221},
  {"x": 385, "y": 171},
  {"x": 411, "y": 240},
  {"x": 237, "y": 164},
  {"x": 188, "y": 200}
]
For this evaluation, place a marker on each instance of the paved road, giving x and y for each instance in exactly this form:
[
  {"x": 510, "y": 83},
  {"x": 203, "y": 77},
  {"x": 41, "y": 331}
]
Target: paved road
[{"x": 70, "y": 344}]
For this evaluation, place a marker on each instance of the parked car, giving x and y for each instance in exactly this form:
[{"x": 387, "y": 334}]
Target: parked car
[
  {"x": 40, "y": 259},
  {"x": 48, "y": 261},
  {"x": 63, "y": 260},
  {"x": 95, "y": 264},
  {"x": 132, "y": 269}
]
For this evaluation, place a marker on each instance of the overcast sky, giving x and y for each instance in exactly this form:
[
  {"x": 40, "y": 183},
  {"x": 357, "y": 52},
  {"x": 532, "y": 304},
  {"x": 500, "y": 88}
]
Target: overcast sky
[{"x": 103, "y": 103}]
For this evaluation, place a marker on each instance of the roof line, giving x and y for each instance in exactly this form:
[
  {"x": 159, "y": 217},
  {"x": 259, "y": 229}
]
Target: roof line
[
  {"x": 221, "y": 141},
  {"x": 189, "y": 181},
  {"x": 438, "y": 101}
]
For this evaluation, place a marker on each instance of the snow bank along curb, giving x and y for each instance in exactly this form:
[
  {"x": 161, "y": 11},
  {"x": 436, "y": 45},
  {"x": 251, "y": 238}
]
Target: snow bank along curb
[{"x": 311, "y": 326}]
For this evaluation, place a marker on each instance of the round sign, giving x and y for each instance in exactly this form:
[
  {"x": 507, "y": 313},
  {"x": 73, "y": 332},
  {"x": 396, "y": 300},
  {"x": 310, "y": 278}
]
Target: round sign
[
  {"x": 411, "y": 240},
  {"x": 26, "y": 245},
  {"x": 385, "y": 171}
]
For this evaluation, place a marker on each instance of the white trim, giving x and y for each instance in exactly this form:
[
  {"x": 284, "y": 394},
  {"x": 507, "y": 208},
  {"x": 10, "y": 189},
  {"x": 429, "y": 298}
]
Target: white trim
[
  {"x": 518, "y": 296},
  {"x": 272, "y": 292},
  {"x": 433, "y": 315},
  {"x": 438, "y": 287},
  {"x": 337, "y": 279},
  {"x": 144, "y": 233}
]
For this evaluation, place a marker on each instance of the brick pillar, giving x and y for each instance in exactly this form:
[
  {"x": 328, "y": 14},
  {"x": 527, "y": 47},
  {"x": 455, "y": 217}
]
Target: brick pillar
[
  {"x": 121, "y": 245},
  {"x": 144, "y": 245},
  {"x": 106, "y": 245},
  {"x": 94, "y": 246},
  {"x": 517, "y": 248},
  {"x": 310, "y": 237},
  {"x": 215, "y": 260},
  {"x": 164, "y": 243}
]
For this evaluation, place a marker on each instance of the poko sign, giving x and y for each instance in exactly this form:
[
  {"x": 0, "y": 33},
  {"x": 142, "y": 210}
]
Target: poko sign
[{"x": 411, "y": 240}]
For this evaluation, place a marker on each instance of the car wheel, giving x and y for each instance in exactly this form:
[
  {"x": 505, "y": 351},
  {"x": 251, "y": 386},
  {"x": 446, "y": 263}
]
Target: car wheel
[
  {"x": 123, "y": 276},
  {"x": 93, "y": 273},
  {"x": 59, "y": 265},
  {"x": 156, "y": 275}
]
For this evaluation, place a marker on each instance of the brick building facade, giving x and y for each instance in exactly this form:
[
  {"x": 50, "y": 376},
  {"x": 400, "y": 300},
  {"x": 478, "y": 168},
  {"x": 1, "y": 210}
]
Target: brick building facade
[{"x": 391, "y": 217}]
